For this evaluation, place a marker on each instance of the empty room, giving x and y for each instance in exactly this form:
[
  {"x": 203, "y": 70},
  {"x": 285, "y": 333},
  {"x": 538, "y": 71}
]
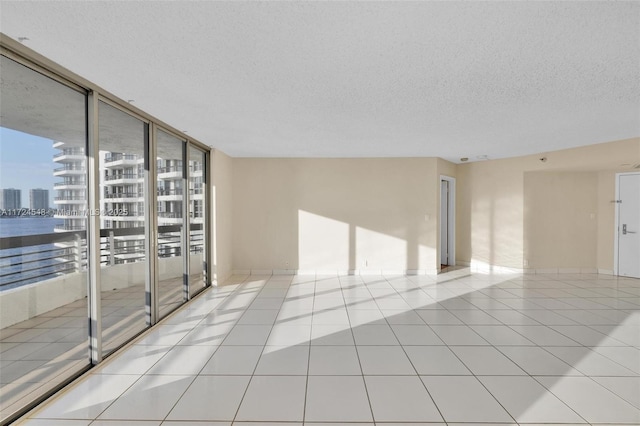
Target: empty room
[{"x": 245, "y": 213}]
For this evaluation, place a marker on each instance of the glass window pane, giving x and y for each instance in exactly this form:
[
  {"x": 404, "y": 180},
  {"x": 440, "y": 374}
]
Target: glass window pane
[
  {"x": 197, "y": 249},
  {"x": 170, "y": 184},
  {"x": 43, "y": 275},
  {"x": 122, "y": 225}
]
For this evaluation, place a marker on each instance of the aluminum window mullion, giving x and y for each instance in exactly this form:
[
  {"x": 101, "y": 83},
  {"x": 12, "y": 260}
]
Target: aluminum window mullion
[
  {"x": 151, "y": 226},
  {"x": 121, "y": 108},
  {"x": 186, "y": 223},
  {"x": 206, "y": 233},
  {"x": 41, "y": 70},
  {"x": 93, "y": 231}
]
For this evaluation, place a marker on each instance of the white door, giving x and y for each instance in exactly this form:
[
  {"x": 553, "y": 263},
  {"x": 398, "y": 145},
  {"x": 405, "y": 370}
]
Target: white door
[
  {"x": 444, "y": 222},
  {"x": 629, "y": 224}
]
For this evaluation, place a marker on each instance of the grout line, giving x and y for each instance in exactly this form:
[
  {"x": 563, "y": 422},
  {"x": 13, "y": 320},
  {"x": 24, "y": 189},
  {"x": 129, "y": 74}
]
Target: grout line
[{"x": 456, "y": 294}]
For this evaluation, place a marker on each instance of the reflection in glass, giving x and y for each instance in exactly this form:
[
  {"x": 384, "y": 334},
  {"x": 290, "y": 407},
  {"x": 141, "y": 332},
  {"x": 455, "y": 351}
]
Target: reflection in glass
[
  {"x": 197, "y": 246},
  {"x": 170, "y": 221},
  {"x": 43, "y": 267},
  {"x": 122, "y": 225}
]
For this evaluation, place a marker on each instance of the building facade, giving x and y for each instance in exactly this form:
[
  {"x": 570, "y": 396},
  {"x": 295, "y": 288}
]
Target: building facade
[
  {"x": 11, "y": 199},
  {"x": 39, "y": 199}
]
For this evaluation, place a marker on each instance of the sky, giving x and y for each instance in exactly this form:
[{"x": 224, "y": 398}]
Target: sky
[{"x": 26, "y": 162}]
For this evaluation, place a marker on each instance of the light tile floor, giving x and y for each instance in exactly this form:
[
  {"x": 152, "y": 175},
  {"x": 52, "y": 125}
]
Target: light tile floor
[
  {"x": 38, "y": 354},
  {"x": 459, "y": 348}
]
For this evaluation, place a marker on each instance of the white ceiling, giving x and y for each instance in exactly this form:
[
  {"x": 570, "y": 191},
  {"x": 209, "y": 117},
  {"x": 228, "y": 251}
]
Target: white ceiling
[{"x": 357, "y": 79}]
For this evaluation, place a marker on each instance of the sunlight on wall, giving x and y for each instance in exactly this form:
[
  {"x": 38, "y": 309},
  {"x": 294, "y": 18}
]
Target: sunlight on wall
[
  {"x": 377, "y": 251},
  {"x": 496, "y": 231},
  {"x": 323, "y": 243},
  {"x": 330, "y": 245},
  {"x": 425, "y": 254}
]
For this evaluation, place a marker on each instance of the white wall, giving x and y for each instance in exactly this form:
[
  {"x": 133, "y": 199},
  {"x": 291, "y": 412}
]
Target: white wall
[
  {"x": 492, "y": 199},
  {"x": 222, "y": 221},
  {"x": 561, "y": 220},
  {"x": 335, "y": 215}
]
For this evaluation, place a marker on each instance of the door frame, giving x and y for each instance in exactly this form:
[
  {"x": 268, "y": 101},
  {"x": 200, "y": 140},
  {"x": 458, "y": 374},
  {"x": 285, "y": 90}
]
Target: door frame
[
  {"x": 616, "y": 239},
  {"x": 451, "y": 220}
]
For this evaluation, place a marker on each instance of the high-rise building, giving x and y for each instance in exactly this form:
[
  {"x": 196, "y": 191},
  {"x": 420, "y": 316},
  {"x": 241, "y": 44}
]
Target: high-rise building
[
  {"x": 11, "y": 199},
  {"x": 39, "y": 199},
  {"x": 71, "y": 197}
]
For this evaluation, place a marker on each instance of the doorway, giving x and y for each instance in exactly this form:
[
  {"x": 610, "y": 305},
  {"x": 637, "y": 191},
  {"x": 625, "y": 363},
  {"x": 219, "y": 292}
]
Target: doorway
[
  {"x": 447, "y": 222},
  {"x": 627, "y": 237}
]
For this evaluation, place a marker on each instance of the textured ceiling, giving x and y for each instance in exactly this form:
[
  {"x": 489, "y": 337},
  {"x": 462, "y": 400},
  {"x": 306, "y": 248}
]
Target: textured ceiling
[{"x": 358, "y": 79}]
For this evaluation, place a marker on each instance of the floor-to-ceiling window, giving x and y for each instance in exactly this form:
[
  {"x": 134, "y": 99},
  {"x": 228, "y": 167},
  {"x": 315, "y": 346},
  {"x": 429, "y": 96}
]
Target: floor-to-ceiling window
[
  {"x": 123, "y": 142},
  {"x": 171, "y": 180},
  {"x": 102, "y": 228},
  {"x": 43, "y": 251},
  {"x": 197, "y": 222}
]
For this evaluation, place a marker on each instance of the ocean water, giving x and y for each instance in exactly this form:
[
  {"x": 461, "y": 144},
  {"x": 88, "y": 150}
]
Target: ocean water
[
  {"x": 23, "y": 264},
  {"x": 16, "y": 226}
]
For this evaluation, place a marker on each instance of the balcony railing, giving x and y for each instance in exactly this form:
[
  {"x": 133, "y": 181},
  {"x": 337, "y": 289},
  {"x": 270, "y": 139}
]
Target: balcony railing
[
  {"x": 71, "y": 167},
  {"x": 125, "y": 195},
  {"x": 170, "y": 169},
  {"x": 118, "y": 157},
  {"x": 33, "y": 258},
  {"x": 69, "y": 152},
  {"x": 68, "y": 227},
  {"x": 170, "y": 215},
  {"x": 67, "y": 183},
  {"x": 123, "y": 176},
  {"x": 175, "y": 191},
  {"x": 71, "y": 198}
]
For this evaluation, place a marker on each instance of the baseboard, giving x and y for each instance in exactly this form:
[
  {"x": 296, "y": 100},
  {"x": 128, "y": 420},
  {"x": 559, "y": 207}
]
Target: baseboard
[
  {"x": 486, "y": 268},
  {"x": 479, "y": 267},
  {"x": 560, "y": 271},
  {"x": 332, "y": 272},
  {"x": 482, "y": 267}
]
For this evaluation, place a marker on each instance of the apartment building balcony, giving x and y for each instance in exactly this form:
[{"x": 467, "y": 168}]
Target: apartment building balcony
[
  {"x": 175, "y": 194},
  {"x": 170, "y": 173},
  {"x": 69, "y": 169},
  {"x": 69, "y": 154},
  {"x": 120, "y": 160},
  {"x": 44, "y": 341},
  {"x": 75, "y": 185},
  {"x": 70, "y": 201},
  {"x": 124, "y": 178},
  {"x": 126, "y": 197}
]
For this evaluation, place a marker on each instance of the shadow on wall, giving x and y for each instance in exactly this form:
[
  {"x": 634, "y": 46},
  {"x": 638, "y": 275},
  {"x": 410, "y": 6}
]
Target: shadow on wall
[
  {"x": 332, "y": 215},
  {"x": 326, "y": 244}
]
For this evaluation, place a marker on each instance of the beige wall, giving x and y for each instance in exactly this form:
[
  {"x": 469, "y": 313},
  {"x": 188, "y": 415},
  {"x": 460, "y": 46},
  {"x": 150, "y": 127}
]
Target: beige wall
[
  {"x": 377, "y": 215},
  {"x": 491, "y": 204},
  {"x": 222, "y": 220},
  {"x": 560, "y": 220},
  {"x": 334, "y": 215},
  {"x": 606, "y": 220}
]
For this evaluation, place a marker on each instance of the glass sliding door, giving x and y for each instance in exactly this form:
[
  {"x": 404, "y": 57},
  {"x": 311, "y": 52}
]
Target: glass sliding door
[
  {"x": 123, "y": 143},
  {"x": 43, "y": 250},
  {"x": 197, "y": 222},
  {"x": 171, "y": 220}
]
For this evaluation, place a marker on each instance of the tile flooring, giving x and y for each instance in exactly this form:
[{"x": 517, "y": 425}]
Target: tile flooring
[
  {"x": 38, "y": 354},
  {"x": 459, "y": 348}
]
